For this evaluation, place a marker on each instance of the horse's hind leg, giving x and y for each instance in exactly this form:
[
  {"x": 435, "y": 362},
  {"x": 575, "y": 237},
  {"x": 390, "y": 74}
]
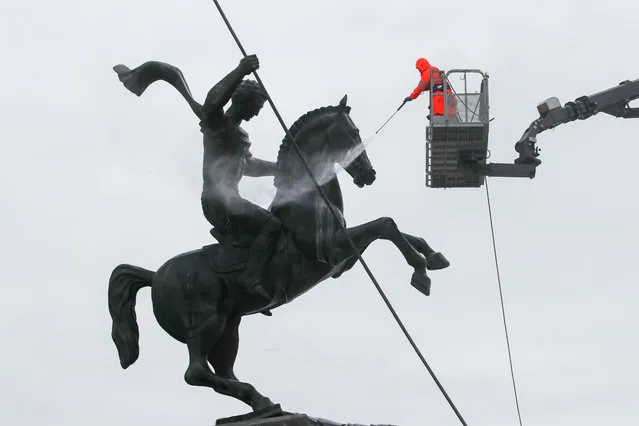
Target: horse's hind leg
[
  {"x": 223, "y": 354},
  {"x": 199, "y": 343}
]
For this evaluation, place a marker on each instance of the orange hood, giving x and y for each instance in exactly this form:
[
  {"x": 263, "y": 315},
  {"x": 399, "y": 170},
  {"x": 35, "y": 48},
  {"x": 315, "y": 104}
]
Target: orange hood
[{"x": 422, "y": 64}]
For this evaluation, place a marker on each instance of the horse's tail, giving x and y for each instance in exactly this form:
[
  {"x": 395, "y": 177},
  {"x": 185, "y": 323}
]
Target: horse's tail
[
  {"x": 138, "y": 79},
  {"x": 124, "y": 284}
]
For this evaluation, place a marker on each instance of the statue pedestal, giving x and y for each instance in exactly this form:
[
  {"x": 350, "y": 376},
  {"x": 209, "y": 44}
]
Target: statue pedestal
[{"x": 274, "y": 416}]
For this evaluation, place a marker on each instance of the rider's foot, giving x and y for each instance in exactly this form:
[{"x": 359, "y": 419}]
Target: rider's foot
[
  {"x": 260, "y": 290},
  {"x": 253, "y": 285},
  {"x": 436, "y": 261}
]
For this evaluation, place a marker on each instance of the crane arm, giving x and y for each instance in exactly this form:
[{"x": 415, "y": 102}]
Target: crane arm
[{"x": 613, "y": 101}]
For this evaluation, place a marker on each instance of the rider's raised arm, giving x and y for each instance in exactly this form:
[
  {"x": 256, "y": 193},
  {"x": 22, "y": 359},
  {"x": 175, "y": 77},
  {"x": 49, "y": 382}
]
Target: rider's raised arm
[{"x": 221, "y": 93}]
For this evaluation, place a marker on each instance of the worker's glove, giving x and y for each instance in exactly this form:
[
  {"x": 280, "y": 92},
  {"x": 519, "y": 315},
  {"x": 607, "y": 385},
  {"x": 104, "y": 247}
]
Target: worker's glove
[{"x": 408, "y": 99}]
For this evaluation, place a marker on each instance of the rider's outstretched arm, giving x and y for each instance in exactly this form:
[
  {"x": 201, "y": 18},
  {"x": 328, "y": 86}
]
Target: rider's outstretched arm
[{"x": 258, "y": 168}]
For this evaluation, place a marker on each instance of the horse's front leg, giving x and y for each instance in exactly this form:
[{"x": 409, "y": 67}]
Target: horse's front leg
[
  {"x": 435, "y": 259},
  {"x": 383, "y": 228}
]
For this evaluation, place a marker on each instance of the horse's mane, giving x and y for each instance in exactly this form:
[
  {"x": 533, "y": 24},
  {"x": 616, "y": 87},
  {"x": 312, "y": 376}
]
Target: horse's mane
[{"x": 294, "y": 131}]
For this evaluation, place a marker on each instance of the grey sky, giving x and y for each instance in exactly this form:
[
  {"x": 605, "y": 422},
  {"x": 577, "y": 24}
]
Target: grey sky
[{"x": 93, "y": 176}]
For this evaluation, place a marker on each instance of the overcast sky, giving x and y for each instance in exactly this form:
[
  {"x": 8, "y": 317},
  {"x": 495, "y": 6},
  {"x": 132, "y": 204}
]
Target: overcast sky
[{"x": 93, "y": 176}]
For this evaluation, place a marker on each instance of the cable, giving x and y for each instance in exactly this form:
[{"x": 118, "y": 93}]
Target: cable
[
  {"x": 501, "y": 296},
  {"x": 332, "y": 209}
]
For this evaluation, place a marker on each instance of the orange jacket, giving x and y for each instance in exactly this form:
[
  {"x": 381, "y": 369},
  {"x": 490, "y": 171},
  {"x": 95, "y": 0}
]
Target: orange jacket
[{"x": 424, "y": 67}]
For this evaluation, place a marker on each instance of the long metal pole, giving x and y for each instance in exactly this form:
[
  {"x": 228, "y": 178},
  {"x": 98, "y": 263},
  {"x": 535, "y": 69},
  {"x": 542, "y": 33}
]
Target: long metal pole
[{"x": 332, "y": 209}]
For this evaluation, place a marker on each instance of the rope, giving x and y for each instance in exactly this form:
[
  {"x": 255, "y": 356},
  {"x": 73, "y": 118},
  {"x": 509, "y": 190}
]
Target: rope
[
  {"x": 332, "y": 209},
  {"x": 501, "y": 296}
]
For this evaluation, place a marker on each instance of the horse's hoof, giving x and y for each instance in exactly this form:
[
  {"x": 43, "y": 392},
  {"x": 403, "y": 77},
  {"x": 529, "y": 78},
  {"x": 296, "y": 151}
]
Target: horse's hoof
[
  {"x": 262, "y": 403},
  {"x": 436, "y": 261},
  {"x": 421, "y": 282}
]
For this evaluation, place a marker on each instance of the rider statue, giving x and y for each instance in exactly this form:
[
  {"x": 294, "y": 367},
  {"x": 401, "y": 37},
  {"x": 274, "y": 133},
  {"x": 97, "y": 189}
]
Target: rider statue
[{"x": 226, "y": 158}]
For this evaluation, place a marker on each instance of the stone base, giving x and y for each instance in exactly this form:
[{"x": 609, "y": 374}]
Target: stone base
[{"x": 274, "y": 416}]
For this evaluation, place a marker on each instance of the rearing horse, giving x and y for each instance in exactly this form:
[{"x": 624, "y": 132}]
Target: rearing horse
[{"x": 195, "y": 297}]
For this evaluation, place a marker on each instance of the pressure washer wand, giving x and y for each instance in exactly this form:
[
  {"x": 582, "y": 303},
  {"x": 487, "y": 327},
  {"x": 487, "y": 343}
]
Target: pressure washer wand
[{"x": 389, "y": 119}]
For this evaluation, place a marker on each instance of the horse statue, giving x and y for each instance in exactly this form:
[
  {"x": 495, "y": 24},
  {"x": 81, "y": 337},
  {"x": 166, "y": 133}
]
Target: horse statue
[{"x": 195, "y": 299}]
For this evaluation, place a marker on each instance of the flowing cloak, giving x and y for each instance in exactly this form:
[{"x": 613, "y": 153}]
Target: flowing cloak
[{"x": 138, "y": 79}]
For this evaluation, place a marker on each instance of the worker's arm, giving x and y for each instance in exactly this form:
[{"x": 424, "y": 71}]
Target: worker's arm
[{"x": 424, "y": 84}]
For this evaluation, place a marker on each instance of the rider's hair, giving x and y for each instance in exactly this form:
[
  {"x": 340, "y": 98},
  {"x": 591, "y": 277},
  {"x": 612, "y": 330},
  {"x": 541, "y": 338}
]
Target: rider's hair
[{"x": 248, "y": 90}]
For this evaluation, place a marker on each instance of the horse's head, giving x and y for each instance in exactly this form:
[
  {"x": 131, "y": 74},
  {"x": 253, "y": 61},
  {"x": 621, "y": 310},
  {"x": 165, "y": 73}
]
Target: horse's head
[
  {"x": 326, "y": 136},
  {"x": 346, "y": 147}
]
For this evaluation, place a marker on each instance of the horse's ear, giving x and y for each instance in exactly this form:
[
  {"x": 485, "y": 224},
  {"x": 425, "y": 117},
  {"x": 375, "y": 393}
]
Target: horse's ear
[{"x": 342, "y": 103}]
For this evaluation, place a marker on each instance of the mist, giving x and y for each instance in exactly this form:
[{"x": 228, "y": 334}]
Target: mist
[{"x": 263, "y": 191}]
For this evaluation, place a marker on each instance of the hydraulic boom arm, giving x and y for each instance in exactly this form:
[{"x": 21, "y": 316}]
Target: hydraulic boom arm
[{"x": 613, "y": 101}]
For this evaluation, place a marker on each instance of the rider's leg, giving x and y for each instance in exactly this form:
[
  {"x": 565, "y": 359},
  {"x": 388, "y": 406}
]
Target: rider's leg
[
  {"x": 266, "y": 227},
  {"x": 216, "y": 216},
  {"x": 215, "y": 213}
]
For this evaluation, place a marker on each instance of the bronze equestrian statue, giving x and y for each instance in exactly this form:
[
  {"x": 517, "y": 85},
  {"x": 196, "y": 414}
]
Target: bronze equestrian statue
[{"x": 263, "y": 258}]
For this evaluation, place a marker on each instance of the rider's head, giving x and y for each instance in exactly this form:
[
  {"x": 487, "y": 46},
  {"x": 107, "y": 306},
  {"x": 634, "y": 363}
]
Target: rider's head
[{"x": 248, "y": 99}]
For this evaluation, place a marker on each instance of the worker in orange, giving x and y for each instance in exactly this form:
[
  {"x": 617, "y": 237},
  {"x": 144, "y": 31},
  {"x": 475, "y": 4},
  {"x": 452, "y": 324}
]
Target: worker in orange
[{"x": 437, "y": 87}]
